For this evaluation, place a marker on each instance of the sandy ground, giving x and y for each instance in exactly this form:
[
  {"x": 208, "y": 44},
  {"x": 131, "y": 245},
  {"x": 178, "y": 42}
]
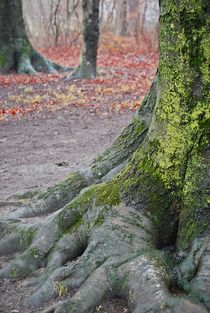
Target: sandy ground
[{"x": 41, "y": 149}]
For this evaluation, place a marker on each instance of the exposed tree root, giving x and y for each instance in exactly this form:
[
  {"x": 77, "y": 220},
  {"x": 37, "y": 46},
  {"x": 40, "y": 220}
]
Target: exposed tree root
[
  {"x": 116, "y": 253},
  {"x": 34, "y": 62},
  {"x": 82, "y": 72}
]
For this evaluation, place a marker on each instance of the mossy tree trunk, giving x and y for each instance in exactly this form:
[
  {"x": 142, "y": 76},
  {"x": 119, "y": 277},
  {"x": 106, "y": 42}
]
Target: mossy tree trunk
[
  {"x": 88, "y": 58},
  {"x": 16, "y": 51},
  {"x": 137, "y": 221}
]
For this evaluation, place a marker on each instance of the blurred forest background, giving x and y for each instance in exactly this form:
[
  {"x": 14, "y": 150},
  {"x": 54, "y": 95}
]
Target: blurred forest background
[{"x": 59, "y": 22}]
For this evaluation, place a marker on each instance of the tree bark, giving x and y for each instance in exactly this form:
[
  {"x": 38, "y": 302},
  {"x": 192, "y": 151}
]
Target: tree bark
[
  {"x": 121, "y": 27},
  {"x": 88, "y": 58},
  {"x": 137, "y": 221},
  {"x": 16, "y": 51},
  {"x": 133, "y": 16}
]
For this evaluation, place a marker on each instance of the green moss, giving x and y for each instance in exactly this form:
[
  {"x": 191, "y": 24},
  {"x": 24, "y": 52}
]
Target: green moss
[
  {"x": 23, "y": 47},
  {"x": 32, "y": 257},
  {"x": 3, "y": 60},
  {"x": 34, "y": 252},
  {"x": 107, "y": 194},
  {"x": 99, "y": 220},
  {"x": 71, "y": 184},
  {"x": 124, "y": 145},
  {"x": 99, "y": 196},
  {"x": 27, "y": 236},
  {"x": 14, "y": 272}
]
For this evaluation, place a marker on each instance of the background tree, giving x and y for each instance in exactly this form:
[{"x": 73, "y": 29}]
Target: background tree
[
  {"x": 16, "y": 51},
  {"x": 121, "y": 27},
  {"x": 137, "y": 221},
  {"x": 88, "y": 57},
  {"x": 133, "y": 9}
]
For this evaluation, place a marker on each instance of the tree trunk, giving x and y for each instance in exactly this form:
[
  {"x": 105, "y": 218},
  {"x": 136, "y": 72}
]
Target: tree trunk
[
  {"x": 133, "y": 16},
  {"x": 88, "y": 57},
  {"x": 16, "y": 52},
  {"x": 137, "y": 221},
  {"x": 121, "y": 28}
]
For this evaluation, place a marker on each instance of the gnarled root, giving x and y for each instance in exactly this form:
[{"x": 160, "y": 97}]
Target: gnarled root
[
  {"x": 31, "y": 63},
  {"x": 115, "y": 251},
  {"x": 51, "y": 200},
  {"x": 194, "y": 271}
]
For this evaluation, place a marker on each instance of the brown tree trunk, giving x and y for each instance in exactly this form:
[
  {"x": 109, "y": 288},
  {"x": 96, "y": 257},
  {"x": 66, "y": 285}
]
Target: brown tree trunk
[
  {"x": 121, "y": 27},
  {"x": 133, "y": 16},
  {"x": 88, "y": 58},
  {"x": 16, "y": 51}
]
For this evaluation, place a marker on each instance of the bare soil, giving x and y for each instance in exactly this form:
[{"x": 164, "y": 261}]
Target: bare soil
[{"x": 39, "y": 150}]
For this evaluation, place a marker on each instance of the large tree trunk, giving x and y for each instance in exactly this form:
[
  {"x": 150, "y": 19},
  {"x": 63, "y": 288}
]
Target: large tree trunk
[
  {"x": 88, "y": 57},
  {"x": 16, "y": 52},
  {"x": 140, "y": 228}
]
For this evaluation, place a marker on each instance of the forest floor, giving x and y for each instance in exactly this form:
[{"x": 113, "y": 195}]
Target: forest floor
[{"x": 50, "y": 126}]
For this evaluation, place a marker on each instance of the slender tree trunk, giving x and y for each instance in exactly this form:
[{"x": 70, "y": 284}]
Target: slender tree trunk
[
  {"x": 88, "y": 58},
  {"x": 139, "y": 228},
  {"x": 133, "y": 16},
  {"x": 121, "y": 27},
  {"x": 16, "y": 51}
]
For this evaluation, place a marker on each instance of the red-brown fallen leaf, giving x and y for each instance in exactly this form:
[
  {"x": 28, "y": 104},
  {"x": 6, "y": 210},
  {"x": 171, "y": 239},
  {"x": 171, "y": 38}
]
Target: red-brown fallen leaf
[{"x": 125, "y": 77}]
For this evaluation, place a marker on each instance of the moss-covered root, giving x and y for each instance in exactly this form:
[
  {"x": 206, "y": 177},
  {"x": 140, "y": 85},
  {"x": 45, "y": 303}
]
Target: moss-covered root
[
  {"x": 200, "y": 284},
  {"x": 42, "y": 64},
  {"x": 106, "y": 235},
  {"x": 51, "y": 200},
  {"x": 129, "y": 140},
  {"x": 118, "y": 254},
  {"x": 16, "y": 237},
  {"x": 35, "y": 241},
  {"x": 31, "y": 63}
]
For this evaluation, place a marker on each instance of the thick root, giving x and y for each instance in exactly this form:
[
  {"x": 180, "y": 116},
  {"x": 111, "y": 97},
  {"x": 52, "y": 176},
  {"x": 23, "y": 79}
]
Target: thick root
[
  {"x": 42, "y": 64},
  {"x": 25, "y": 66},
  {"x": 147, "y": 287},
  {"x": 116, "y": 254},
  {"x": 51, "y": 200},
  {"x": 34, "y": 62},
  {"x": 194, "y": 271},
  {"x": 82, "y": 72}
]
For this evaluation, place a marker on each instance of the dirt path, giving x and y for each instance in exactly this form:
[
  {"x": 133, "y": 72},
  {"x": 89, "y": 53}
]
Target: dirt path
[{"x": 40, "y": 150}]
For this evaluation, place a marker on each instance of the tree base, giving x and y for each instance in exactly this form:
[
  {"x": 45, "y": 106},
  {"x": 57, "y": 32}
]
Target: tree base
[
  {"x": 82, "y": 72},
  {"x": 28, "y": 62},
  {"x": 37, "y": 63}
]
